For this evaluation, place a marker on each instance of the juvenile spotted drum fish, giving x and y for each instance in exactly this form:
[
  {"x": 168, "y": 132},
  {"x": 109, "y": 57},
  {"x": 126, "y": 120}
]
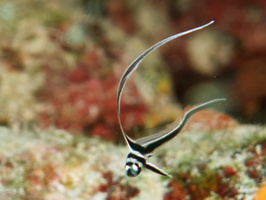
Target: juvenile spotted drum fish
[{"x": 140, "y": 150}]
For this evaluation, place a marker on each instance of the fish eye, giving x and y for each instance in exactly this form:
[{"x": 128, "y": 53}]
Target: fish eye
[{"x": 132, "y": 169}]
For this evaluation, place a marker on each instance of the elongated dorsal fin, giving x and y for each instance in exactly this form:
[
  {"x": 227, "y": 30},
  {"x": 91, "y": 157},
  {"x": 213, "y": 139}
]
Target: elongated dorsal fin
[{"x": 132, "y": 67}]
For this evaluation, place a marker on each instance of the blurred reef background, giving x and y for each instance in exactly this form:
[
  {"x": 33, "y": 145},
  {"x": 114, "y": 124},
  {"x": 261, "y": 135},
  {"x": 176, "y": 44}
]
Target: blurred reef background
[{"x": 60, "y": 64}]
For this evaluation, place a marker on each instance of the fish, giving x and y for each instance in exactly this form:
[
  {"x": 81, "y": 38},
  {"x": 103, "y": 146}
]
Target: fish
[{"x": 140, "y": 150}]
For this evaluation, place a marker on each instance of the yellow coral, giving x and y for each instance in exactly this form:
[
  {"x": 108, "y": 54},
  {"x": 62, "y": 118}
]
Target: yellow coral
[{"x": 261, "y": 193}]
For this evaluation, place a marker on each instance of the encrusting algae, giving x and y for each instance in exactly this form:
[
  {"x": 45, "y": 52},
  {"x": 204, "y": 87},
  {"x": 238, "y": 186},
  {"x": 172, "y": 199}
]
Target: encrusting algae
[{"x": 205, "y": 165}]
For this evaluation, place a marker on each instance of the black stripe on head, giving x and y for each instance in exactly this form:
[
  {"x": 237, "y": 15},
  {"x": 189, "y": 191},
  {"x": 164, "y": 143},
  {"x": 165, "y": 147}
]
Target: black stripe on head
[
  {"x": 138, "y": 158},
  {"x": 134, "y": 164}
]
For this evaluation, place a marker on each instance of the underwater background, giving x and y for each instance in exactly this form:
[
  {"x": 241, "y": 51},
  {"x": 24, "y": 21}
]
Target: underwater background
[{"x": 60, "y": 64}]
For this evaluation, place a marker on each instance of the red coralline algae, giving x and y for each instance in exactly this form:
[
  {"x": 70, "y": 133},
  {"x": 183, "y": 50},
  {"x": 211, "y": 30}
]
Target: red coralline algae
[
  {"x": 250, "y": 82},
  {"x": 228, "y": 172},
  {"x": 116, "y": 190},
  {"x": 198, "y": 188},
  {"x": 176, "y": 191},
  {"x": 256, "y": 159},
  {"x": 121, "y": 16},
  {"x": 210, "y": 120},
  {"x": 222, "y": 181},
  {"x": 84, "y": 99}
]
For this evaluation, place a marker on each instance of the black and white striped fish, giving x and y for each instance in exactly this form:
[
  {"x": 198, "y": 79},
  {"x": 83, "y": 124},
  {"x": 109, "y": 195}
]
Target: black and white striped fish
[{"x": 141, "y": 149}]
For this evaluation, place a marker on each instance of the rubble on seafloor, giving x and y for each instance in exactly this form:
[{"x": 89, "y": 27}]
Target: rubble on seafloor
[{"x": 54, "y": 164}]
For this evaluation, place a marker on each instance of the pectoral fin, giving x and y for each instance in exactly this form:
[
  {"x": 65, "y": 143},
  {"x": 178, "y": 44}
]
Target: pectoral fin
[{"x": 157, "y": 170}]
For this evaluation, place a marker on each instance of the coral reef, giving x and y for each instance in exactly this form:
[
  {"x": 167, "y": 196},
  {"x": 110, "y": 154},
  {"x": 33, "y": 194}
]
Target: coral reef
[
  {"x": 54, "y": 164},
  {"x": 67, "y": 77},
  {"x": 230, "y": 166},
  {"x": 88, "y": 50},
  {"x": 60, "y": 63}
]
